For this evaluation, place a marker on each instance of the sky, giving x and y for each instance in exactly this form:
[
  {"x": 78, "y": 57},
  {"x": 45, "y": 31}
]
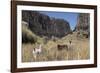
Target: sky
[{"x": 68, "y": 16}]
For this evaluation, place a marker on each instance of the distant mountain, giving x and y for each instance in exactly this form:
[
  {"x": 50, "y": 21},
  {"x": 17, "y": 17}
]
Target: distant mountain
[{"x": 43, "y": 25}]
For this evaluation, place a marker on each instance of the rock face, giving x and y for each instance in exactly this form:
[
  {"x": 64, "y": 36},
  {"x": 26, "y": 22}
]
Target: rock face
[
  {"x": 83, "y": 22},
  {"x": 83, "y": 25},
  {"x": 43, "y": 25}
]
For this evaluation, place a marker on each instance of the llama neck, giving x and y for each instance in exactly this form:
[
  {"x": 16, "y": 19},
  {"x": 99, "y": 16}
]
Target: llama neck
[{"x": 39, "y": 46}]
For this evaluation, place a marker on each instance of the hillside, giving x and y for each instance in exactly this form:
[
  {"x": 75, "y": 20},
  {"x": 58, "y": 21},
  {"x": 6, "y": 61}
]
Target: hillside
[{"x": 79, "y": 50}]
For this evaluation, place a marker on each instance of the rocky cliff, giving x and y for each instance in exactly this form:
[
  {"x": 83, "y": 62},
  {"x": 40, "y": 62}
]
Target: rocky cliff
[
  {"x": 83, "y": 25},
  {"x": 43, "y": 25},
  {"x": 83, "y": 22}
]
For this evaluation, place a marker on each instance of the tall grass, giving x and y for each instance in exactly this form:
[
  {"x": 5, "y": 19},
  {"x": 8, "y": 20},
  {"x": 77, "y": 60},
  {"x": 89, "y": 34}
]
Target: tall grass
[{"x": 80, "y": 50}]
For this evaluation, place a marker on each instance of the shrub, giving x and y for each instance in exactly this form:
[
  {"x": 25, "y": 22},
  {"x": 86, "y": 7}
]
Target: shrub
[{"x": 27, "y": 35}]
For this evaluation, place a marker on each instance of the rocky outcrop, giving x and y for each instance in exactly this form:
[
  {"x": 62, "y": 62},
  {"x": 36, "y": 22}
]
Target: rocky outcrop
[
  {"x": 83, "y": 22},
  {"x": 43, "y": 25},
  {"x": 83, "y": 25}
]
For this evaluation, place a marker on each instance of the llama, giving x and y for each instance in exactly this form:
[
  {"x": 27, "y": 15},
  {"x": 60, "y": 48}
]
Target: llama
[
  {"x": 37, "y": 51},
  {"x": 65, "y": 46},
  {"x": 61, "y": 47},
  {"x": 71, "y": 45}
]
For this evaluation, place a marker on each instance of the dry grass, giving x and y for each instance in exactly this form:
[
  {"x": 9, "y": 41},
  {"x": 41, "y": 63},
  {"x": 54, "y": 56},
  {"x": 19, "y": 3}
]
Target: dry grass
[{"x": 80, "y": 50}]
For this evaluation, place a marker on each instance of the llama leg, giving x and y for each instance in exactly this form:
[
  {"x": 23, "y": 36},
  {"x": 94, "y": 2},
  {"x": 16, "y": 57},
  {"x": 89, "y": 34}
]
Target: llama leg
[{"x": 35, "y": 57}]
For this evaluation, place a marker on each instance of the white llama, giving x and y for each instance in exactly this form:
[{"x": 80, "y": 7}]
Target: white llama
[{"x": 37, "y": 51}]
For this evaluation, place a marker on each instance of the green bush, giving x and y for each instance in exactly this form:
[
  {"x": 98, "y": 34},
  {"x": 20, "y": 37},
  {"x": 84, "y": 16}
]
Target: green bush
[{"x": 27, "y": 35}]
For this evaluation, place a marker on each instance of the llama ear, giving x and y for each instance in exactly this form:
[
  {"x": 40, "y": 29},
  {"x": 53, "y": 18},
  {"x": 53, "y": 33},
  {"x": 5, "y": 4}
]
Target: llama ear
[{"x": 34, "y": 49}]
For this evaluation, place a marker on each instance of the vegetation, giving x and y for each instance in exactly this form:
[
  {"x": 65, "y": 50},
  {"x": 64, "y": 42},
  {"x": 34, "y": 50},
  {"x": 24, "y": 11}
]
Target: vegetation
[{"x": 79, "y": 50}]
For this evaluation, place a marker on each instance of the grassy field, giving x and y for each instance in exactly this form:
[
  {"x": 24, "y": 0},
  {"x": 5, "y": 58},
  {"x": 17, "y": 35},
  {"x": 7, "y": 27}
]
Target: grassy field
[{"x": 78, "y": 51}]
